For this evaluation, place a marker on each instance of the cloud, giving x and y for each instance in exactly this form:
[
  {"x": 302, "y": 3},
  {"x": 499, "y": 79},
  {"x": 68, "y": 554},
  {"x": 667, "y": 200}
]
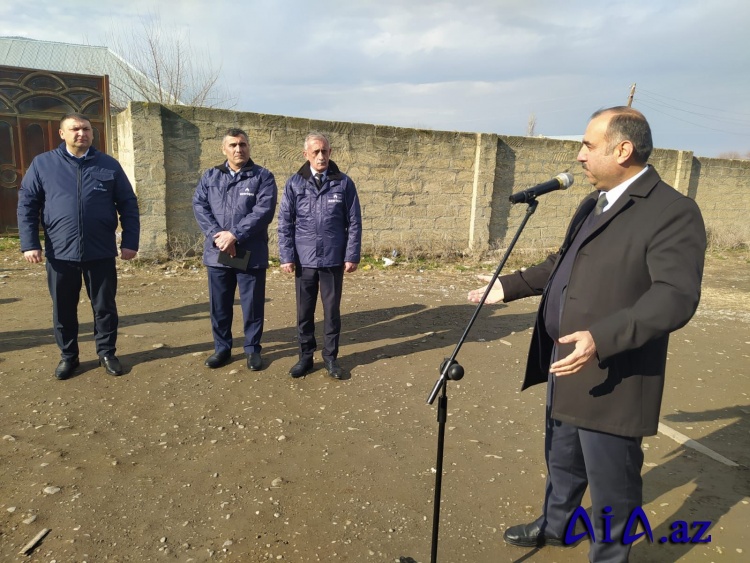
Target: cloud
[{"x": 480, "y": 65}]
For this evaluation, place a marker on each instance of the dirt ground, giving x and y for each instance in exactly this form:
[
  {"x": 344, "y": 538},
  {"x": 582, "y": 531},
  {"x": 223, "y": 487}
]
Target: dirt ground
[{"x": 176, "y": 462}]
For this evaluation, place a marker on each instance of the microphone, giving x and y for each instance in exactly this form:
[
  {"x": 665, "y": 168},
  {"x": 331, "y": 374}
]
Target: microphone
[{"x": 560, "y": 182}]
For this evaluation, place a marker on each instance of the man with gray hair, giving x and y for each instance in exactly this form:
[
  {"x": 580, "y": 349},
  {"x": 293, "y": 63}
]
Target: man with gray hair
[{"x": 320, "y": 238}]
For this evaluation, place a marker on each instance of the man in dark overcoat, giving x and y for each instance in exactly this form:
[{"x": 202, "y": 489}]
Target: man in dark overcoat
[{"x": 627, "y": 275}]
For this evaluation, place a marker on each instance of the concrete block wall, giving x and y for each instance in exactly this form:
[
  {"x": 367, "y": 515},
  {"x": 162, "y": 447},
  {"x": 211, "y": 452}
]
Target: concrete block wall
[
  {"x": 435, "y": 192},
  {"x": 722, "y": 190},
  {"x": 524, "y": 162},
  {"x": 141, "y": 154}
]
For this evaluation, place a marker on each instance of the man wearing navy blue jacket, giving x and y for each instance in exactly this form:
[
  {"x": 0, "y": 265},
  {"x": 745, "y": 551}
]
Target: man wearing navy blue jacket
[
  {"x": 234, "y": 203},
  {"x": 320, "y": 238},
  {"x": 79, "y": 193}
]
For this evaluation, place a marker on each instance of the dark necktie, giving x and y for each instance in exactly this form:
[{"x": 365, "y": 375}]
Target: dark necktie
[
  {"x": 601, "y": 203},
  {"x": 319, "y": 180}
]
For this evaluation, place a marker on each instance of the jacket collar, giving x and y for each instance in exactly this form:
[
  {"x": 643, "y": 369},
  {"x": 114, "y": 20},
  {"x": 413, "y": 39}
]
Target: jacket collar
[
  {"x": 92, "y": 152},
  {"x": 640, "y": 188},
  {"x": 333, "y": 171},
  {"x": 224, "y": 168},
  {"x": 643, "y": 186}
]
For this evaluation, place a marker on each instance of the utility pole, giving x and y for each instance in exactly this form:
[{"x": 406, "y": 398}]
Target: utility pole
[{"x": 630, "y": 96}]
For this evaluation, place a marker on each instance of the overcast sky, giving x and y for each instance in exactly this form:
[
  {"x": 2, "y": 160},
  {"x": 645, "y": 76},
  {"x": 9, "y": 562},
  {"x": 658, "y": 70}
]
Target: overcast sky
[{"x": 475, "y": 65}]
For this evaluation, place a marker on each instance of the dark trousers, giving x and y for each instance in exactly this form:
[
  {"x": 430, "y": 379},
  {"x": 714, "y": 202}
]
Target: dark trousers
[
  {"x": 610, "y": 465},
  {"x": 307, "y": 282},
  {"x": 64, "y": 282},
  {"x": 222, "y": 285}
]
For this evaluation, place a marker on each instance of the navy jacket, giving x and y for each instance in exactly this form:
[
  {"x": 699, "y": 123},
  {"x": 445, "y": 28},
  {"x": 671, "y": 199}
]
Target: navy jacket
[
  {"x": 79, "y": 202},
  {"x": 243, "y": 204},
  {"x": 320, "y": 229}
]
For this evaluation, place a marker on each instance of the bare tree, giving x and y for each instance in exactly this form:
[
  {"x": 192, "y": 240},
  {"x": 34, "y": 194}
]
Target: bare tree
[{"x": 157, "y": 65}]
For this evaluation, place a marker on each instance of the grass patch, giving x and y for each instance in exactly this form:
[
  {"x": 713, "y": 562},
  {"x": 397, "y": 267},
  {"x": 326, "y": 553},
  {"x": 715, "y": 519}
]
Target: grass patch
[
  {"x": 741, "y": 254},
  {"x": 9, "y": 244}
]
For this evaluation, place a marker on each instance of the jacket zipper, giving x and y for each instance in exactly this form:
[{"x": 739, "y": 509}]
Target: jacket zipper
[
  {"x": 79, "y": 176},
  {"x": 231, "y": 194}
]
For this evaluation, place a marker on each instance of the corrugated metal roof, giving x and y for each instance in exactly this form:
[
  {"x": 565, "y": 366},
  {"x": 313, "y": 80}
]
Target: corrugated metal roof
[{"x": 79, "y": 59}]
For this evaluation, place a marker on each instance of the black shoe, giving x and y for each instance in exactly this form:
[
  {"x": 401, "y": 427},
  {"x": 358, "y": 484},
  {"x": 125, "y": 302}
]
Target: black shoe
[
  {"x": 254, "y": 361},
  {"x": 334, "y": 369},
  {"x": 218, "y": 359},
  {"x": 111, "y": 364},
  {"x": 66, "y": 368},
  {"x": 530, "y": 535},
  {"x": 301, "y": 368}
]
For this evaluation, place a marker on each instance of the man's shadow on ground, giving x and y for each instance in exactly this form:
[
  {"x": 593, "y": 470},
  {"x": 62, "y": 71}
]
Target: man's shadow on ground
[
  {"x": 11, "y": 341},
  {"x": 717, "y": 487},
  {"x": 398, "y": 332}
]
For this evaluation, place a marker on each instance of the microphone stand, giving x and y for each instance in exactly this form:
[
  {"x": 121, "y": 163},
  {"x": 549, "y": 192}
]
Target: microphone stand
[{"x": 451, "y": 369}]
